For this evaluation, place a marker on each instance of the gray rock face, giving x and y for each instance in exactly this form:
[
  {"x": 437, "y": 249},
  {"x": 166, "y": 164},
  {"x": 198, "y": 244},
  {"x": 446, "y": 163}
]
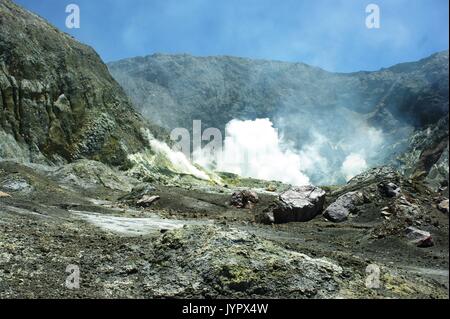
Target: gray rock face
[
  {"x": 299, "y": 204},
  {"x": 58, "y": 101},
  {"x": 438, "y": 176},
  {"x": 427, "y": 155},
  {"x": 92, "y": 174},
  {"x": 373, "y": 175},
  {"x": 343, "y": 207}
]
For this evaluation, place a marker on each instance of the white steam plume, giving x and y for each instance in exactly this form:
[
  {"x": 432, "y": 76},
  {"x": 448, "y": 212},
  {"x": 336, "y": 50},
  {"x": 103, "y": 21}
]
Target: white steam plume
[
  {"x": 254, "y": 149},
  {"x": 353, "y": 165}
]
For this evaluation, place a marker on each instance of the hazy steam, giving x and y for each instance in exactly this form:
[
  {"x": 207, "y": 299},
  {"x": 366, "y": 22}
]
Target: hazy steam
[
  {"x": 254, "y": 149},
  {"x": 353, "y": 165}
]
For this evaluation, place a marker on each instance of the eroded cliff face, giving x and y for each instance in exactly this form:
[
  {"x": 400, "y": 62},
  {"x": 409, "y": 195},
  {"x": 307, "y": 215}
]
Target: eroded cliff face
[
  {"x": 427, "y": 155},
  {"x": 58, "y": 101}
]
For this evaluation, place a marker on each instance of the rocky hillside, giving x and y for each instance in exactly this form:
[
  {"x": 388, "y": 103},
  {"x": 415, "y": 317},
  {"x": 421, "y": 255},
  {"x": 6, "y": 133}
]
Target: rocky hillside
[
  {"x": 58, "y": 101},
  {"x": 218, "y": 89},
  {"x": 375, "y": 114}
]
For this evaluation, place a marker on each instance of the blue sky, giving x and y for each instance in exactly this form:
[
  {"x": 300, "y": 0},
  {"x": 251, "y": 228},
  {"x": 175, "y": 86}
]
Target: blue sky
[{"x": 327, "y": 33}]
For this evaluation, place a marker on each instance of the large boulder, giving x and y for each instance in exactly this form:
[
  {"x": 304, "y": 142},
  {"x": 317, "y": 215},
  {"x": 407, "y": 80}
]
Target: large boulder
[
  {"x": 343, "y": 207},
  {"x": 299, "y": 204},
  {"x": 190, "y": 260},
  {"x": 418, "y": 237}
]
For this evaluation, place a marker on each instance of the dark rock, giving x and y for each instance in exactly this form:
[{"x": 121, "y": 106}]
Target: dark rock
[
  {"x": 343, "y": 206},
  {"x": 265, "y": 217},
  {"x": 299, "y": 204},
  {"x": 389, "y": 189},
  {"x": 244, "y": 199}
]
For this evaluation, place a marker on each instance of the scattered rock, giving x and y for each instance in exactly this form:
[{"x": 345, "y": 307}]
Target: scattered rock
[
  {"x": 389, "y": 189},
  {"x": 405, "y": 208},
  {"x": 419, "y": 237},
  {"x": 147, "y": 201},
  {"x": 299, "y": 204},
  {"x": 443, "y": 206},
  {"x": 343, "y": 207},
  {"x": 3, "y": 195},
  {"x": 244, "y": 199},
  {"x": 271, "y": 188}
]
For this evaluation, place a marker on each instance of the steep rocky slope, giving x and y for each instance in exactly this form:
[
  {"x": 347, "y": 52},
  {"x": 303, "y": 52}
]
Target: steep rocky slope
[
  {"x": 374, "y": 114},
  {"x": 427, "y": 155},
  {"x": 58, "y": 101},
  {"x": 218, "y": 89}
]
